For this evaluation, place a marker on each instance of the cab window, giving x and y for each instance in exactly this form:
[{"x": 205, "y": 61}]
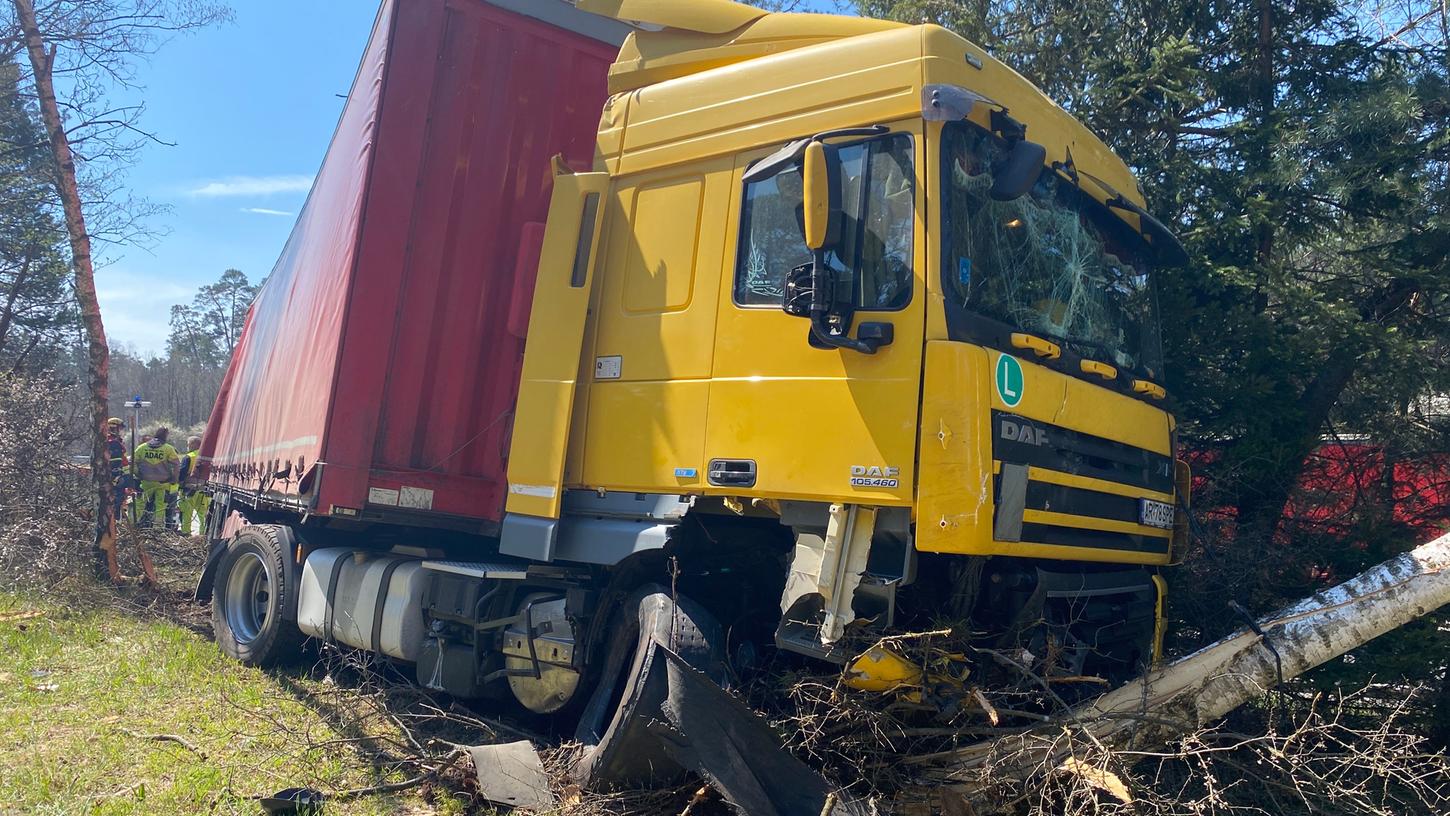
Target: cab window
[{"x": 875, "y": 253}]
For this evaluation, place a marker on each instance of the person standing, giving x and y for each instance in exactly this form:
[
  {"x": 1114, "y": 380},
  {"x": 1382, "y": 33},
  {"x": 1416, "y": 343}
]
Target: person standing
[
  {"x": 116, "y": 457},
  {"x": 159, "y": 468},
  {"x": 194, "y": 502}
]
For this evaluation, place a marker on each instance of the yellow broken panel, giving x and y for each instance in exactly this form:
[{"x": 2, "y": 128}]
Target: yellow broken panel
[{"x": 881, "y": 669}]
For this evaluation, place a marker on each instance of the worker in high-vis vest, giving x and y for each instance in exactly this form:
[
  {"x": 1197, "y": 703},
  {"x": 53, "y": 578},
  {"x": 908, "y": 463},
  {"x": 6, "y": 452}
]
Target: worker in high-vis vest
[
  {"x": 159, "y": 468},
  {"x": 194, "y": 502},
  {"x": 116, "y": 458}
]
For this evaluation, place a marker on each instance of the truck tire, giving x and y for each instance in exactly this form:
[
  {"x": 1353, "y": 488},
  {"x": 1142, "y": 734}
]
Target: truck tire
[
  {"x": 617, "y": 749},
  {"x": 249, "y": 598}
]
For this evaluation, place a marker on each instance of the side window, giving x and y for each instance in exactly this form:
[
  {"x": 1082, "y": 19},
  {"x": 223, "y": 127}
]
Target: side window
[{"x": 878, "y": 202}]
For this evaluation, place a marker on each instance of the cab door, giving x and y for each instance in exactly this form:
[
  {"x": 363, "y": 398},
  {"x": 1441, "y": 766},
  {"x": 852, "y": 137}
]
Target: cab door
[{"x": 786, "y": 419}]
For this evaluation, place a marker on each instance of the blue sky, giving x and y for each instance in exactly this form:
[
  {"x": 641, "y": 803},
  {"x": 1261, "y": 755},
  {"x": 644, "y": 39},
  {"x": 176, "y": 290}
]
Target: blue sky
[{"x": 250, "y": 107}]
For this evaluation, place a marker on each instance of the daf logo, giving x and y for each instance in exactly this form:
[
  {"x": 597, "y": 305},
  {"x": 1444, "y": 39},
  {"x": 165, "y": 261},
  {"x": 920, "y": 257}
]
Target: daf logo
[
  {"x": 1027, "y": 434},
  {"x": 875, "y": 476}
]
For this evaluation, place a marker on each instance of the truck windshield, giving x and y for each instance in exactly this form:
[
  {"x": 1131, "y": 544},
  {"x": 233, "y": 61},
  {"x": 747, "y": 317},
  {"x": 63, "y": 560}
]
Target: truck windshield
[{"x": 1053, "y": 263}]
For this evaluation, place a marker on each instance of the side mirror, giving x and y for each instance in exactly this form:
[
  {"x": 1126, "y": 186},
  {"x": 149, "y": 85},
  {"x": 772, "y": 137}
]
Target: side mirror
[
  {"x": 821, "y": 175},
  {"x": 1019, "y": 172}
]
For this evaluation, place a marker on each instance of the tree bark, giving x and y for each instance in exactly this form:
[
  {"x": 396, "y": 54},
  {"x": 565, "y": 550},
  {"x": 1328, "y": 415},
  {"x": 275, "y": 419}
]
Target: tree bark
[
  {"x": 99, "y": 353},
  {"x": 1196, "y": 690}
]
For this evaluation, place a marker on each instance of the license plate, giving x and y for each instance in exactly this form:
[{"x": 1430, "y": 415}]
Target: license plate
[{"x": 1155, "y": 514}]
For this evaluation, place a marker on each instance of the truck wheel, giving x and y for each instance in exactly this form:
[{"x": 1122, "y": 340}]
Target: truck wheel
[
  {"x": 617, "y": 747},
  {"x": 248, "y": 598}
]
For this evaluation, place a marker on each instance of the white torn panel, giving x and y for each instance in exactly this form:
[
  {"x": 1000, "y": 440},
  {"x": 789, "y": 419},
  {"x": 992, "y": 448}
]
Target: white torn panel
[{"x": 831, "y": 567}]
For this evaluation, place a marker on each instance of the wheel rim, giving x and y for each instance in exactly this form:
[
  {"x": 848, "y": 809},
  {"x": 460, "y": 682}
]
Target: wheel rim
[{"x": 249, "y": 597}]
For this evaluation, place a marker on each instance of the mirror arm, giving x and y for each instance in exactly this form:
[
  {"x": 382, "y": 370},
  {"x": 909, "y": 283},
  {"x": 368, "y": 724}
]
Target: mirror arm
[
  {"x": 821, "y": 311},
  {"x": 834, "y": 341}
]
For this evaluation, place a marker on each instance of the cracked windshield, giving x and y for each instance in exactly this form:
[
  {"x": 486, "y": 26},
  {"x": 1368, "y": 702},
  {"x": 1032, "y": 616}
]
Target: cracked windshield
[{"x": 1043, "y": 264}]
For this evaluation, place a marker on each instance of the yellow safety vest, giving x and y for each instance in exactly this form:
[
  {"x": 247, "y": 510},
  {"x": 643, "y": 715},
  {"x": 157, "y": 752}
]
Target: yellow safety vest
[
  {"x": 157, "y": 463},
  {"x": 189, "y": 468}
]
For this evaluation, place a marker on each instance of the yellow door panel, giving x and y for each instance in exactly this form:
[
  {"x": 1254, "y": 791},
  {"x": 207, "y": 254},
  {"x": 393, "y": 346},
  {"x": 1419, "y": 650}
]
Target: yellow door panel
[
  {"x": 660, "y": 278},
  {"x": 819, "y": 424},
  {"x": 551, "y": 357},
  {"x": 809, "y": 435},
  {"x": 659, "y": 272},
  {"x": 646, "y": 436}
]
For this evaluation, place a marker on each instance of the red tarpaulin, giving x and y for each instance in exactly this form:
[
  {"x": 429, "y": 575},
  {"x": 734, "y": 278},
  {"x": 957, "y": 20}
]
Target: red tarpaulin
[{"x": 377, "y": 368}]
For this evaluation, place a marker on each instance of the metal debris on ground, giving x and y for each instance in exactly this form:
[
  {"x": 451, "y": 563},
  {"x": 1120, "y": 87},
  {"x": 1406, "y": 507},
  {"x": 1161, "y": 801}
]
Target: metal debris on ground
[
  {"x": 512, "y": 775},
  {"x": 293, "y": 802}
]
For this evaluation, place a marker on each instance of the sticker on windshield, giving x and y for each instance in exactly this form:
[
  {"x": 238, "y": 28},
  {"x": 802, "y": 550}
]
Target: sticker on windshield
[
  {"x": 1009, "y": 380},
  {"x": 964, "y": 274}
]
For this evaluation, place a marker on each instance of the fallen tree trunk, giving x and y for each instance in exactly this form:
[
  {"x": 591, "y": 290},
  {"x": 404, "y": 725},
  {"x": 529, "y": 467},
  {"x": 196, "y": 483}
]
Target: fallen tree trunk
[{"x": 1181, "y": 697}]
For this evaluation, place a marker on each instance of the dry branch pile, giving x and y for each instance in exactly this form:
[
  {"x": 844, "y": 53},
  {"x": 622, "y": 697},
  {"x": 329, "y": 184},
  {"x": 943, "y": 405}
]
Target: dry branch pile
[{"x": 45, "y": 528}]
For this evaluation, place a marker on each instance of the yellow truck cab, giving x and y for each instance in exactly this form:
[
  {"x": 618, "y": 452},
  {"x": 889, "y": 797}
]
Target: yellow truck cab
[{"x": 961, "y": 370}]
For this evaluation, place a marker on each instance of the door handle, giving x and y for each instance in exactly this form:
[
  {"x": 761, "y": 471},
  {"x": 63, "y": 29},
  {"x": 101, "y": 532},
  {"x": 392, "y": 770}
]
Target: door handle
[{"x": 732, "y": 472}]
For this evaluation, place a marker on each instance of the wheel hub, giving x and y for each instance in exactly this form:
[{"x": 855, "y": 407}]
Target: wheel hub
[{"x": 248, "y": 597}]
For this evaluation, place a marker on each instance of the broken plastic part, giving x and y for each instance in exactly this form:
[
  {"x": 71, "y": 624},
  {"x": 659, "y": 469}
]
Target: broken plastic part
[{"x": 881, "y": 669}]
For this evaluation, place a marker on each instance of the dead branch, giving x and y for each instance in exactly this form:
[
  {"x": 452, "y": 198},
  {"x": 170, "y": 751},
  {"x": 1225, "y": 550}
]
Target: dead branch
[{"x": 179, "y": 740}]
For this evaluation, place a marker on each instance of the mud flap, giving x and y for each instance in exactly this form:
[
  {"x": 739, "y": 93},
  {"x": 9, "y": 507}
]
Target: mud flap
[{"x": 208, "y": 572}]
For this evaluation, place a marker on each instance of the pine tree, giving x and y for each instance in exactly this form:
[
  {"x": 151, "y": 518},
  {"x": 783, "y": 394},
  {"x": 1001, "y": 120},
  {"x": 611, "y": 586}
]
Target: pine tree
[{"x": 37, "y": 313}]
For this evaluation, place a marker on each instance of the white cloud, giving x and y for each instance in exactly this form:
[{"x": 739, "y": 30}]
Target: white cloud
[
  {"x": 136, "y": 308},
  {"x": 265, "y": 211},
  {"x": 252, "y": 186}
]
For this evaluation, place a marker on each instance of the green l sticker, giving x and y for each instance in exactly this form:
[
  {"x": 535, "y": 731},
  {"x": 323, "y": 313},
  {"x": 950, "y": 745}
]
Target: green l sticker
[{"x": 1009, "y": 380}]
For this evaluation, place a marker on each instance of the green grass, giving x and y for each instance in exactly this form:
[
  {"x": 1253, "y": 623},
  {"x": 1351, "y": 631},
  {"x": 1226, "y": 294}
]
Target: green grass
[{"x": 80, "y": 690}]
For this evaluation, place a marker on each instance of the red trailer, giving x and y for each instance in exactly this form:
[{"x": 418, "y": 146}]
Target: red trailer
[{"x": 377, "y": 373}]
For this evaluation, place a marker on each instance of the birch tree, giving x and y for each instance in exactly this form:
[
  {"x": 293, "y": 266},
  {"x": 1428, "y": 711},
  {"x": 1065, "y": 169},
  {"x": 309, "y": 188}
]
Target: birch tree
[{"x": 93, "y": 46}]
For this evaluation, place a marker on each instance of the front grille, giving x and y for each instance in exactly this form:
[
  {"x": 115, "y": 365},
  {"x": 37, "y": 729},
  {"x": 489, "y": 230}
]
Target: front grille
[
  {"x": 1092, "y": 539},
  {"x": 1028, "y": 442},
  {"x": 1019, "y": 442}
]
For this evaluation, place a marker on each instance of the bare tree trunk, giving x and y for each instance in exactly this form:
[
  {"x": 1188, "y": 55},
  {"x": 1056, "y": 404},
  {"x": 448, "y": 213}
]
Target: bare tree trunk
[
  {"x": 81, "y": 262},
  {"x": 1191, "y": 692}
]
